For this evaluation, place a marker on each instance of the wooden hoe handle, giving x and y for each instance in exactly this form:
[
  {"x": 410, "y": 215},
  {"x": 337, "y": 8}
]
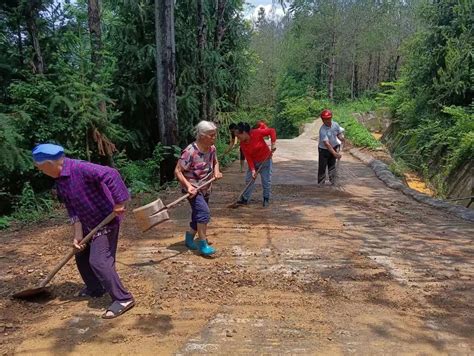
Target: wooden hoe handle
[
  {"x": 85, "y": 240},
  {"x": 253, "y": 179}
]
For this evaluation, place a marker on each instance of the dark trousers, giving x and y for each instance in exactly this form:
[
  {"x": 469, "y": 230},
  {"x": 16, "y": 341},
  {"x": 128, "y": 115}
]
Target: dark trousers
[
  {"x": 326, "y": 161},
  {"x": 96, "y": 264},
  {"x": 201, "y": 214}
]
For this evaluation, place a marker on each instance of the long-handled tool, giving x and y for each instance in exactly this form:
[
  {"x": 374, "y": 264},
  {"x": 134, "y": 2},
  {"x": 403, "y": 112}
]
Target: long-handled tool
[
  {"x": 251, "y": 181},
  {"x": 156, "y": 212},
  {"x": 33, "y": 292},
  {"x": 338, "y": 163}
]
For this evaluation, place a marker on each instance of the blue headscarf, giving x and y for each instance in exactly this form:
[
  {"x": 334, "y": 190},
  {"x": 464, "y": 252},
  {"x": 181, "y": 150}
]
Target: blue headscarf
[{"x": 47, "y": 151}]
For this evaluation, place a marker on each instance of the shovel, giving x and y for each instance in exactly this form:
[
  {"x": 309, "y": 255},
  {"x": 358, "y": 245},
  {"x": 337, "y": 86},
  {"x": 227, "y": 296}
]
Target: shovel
[
  {"x": 33, "y": 292},
  {"x": 236, "y": 204},
  {"x": 156, "y": 212}
]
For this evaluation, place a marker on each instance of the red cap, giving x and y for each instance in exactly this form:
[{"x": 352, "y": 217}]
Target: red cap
[{"x": 326, "y": 114}]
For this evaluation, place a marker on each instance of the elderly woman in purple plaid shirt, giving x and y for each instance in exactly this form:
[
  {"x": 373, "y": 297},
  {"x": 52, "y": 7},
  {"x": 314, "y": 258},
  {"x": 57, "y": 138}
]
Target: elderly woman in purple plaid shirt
[{"x": 90, "y": 193}]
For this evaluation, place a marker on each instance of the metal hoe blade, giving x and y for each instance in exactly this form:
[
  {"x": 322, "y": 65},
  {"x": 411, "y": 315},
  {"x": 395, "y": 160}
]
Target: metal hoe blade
[
  {"x": 41, "y": 288},
  {"x": 31, "y": 293}
]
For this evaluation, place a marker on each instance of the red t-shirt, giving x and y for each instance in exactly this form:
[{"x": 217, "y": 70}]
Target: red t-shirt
[{"x": 256, "y": 149}]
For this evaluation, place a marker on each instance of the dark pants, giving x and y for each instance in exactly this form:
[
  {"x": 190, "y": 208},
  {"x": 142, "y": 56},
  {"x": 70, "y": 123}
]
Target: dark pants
[
  {"x": 326, "y": 161},
  {"x": 201, "y": 214},
  {"x": 96, "y": 264}
]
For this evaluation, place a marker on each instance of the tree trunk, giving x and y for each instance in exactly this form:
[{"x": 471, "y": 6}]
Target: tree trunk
[
  {"x": 31, "y": 14},
  {"x": 220, "y": 28},
  {"x": 332, "y": 68},
  {"x": 201, "y": 44},
  {"x": 369, "y": 72},
  {"x": 93, "y": 12},
  {"x": 166, "y": 82},
  {"x": 322, "y": 71},
  {"x": 88, "y": 151},
  {"x": 377, "y": 70},
  {"x": 219, "y": 32},
  {"x": 395, "y": 67},
  {"x": 19, "y": 44},
  {"x": 105, "y": 146},
  {"x": 354, "y": 79}
]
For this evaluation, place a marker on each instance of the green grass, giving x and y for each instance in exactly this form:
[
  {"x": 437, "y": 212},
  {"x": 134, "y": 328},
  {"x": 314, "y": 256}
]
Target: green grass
[
  {"x": 5, "y": 222},
  {"x": 355, "y": 131},
  {"x": 399, "y": 167}
]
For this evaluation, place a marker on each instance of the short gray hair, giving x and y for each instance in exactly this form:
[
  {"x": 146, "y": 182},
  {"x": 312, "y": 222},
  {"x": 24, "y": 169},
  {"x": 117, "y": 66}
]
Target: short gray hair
[
  {"x": 203, "y": 127},
  {"x": 55, "y": 161}
]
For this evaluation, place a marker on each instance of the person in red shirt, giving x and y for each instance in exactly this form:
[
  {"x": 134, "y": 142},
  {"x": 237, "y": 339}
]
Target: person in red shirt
[
  {"x": 232, "y": 143},
  {"x": 258, "y": 156},
  {"x": 260, "y": 125}
]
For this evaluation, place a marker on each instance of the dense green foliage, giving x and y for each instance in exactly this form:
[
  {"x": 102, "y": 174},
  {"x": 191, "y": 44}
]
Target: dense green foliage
[
  {"x": 102, "y": 106},
  {"x": 432, "y": 102},
  {"x": 323, "y": 53},
  {"x": 355, "y": 131},
  {"x": 294, "y": 112},
  {"x": 95, "y": 108}
]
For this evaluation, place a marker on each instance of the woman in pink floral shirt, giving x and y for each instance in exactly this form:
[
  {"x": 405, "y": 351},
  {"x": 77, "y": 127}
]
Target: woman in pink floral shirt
[{"x": 198, "y": 163}]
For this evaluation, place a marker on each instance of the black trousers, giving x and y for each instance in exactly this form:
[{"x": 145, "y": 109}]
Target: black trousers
[{"x": 326, "y": 161}]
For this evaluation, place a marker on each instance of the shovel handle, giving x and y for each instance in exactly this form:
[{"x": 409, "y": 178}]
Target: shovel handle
[
  {"x": 85, "y": 240},
  {"x": 253, "y": 179},
  {"x": 177, "y": 201}
]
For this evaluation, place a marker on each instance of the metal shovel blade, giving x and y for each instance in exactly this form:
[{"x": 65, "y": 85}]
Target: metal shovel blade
[
  {"x": 156, "y": 212},
  {"x": 153, "y": 220},
  {"x": 145, "y": 215},
  {"x": 157, "y": 218},
  {"x": 149, "y": 209}
]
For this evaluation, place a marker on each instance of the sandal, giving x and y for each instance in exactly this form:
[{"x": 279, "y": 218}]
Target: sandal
[{"x": 117, "y": 309}]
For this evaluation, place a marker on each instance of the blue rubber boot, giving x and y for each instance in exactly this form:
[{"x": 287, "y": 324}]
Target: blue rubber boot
[
  {"x": 205, "y": 249},
  {"x": 189, "y": 241}
]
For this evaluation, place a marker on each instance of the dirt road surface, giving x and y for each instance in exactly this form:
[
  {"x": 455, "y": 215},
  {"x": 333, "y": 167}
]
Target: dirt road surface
[{"x": 355, "y": 268}]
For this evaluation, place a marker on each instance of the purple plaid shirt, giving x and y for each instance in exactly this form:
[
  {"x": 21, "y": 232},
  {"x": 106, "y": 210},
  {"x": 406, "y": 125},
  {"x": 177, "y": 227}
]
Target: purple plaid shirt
[{"x": 90, "y": 191}]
